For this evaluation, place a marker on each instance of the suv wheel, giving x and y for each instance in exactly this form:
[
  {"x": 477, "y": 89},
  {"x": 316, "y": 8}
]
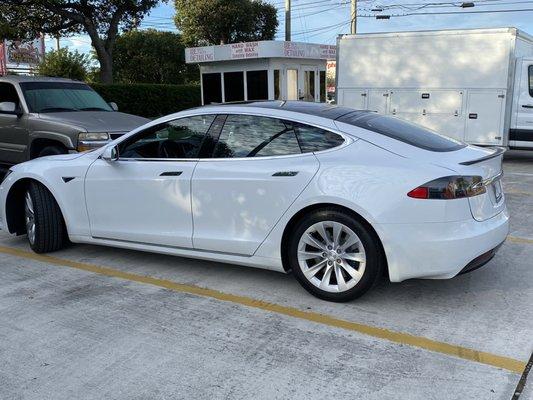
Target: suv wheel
[
  {"x": 334, "y": 256},
  {"x": 51, "y": 151},
  {"x": 44, "y": 222}
]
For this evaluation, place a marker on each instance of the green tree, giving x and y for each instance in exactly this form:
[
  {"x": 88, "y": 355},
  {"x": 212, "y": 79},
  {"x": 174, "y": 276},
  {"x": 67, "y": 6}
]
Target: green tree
[
  {"x": 102, "y": 20},
  {"x": 65, "y": 64},
  {"x": 225, "y": 21},
  {"x": 152, "y": 56}
]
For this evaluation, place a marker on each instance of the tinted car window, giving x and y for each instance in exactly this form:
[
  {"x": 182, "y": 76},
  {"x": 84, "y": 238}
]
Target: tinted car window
[
  {"x": 181, "y": 138},
  {"x": 252, "y": 136},
  {"x": 404, "y": 131},
  {"x": 45, "y": 97},
  {"x": 315, "y": 139},
  {"x": 8, "y": 93}
]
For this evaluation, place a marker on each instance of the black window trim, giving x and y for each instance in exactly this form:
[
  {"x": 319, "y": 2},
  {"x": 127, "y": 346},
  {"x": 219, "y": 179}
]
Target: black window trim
[{"x": 216, "y": 137}]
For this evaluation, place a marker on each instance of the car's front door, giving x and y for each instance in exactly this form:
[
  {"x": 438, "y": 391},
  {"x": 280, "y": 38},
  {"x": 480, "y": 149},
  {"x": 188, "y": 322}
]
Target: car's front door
[
  {"x": 145, "y": 195},
  {"x": 256, "y": 173},
  {"x": 13, "y": 128}
]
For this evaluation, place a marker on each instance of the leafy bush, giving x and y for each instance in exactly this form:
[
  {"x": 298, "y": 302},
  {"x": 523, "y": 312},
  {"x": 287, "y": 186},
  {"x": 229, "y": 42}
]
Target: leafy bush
[
  {"x": 149, "y": 100},
  {"x": 63, "y": 63},
  {"x": 151, "y": 56}
]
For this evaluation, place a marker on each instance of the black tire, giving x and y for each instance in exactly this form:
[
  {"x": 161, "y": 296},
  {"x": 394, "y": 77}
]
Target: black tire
[
  {"x": 50, "y": 230},
  {"x": 51, "y": 151},
  {"x": 374, "y": 260}
]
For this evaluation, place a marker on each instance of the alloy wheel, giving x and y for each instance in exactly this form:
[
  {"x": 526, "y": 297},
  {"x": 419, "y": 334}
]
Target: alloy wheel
[
  {"x": 30, "y": 218},
  {"x": 331, "y": 256}
]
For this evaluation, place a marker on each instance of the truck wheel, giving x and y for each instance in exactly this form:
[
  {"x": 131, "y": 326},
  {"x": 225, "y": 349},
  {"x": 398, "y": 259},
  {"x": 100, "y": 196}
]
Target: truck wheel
[
  {"x": 44, "y": 222},
  {"x": 51, "y": 151}
]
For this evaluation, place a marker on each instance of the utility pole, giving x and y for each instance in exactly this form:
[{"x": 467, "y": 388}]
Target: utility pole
[
  {"x": 353, "y": 18},
  {"x": 58, "y": 45},
  {"x": 287, "y": 20}
]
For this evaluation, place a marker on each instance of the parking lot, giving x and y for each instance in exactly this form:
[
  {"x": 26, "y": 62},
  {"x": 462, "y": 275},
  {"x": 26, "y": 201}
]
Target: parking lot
[{"x": 100, "y": 323}]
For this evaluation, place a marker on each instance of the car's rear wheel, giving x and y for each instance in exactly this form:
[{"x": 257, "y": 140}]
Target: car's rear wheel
[
  {"x": 334, "y": 256},
  {"x": 44, "y": 222}
]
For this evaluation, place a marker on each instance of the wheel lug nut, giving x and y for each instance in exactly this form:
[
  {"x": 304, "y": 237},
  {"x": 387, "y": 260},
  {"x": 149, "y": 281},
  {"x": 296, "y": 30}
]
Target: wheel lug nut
[
  {"x": 330, "y": 262},
  {"x": 330, "y": 248},
  {"x": 339, "y": 251},
  {"x": 324, "y": 254},
  {"x": 339, "y": 261}
]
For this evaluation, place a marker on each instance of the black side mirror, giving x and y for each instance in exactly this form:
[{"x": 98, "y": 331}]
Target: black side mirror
[{"x": 18, "y": 111}]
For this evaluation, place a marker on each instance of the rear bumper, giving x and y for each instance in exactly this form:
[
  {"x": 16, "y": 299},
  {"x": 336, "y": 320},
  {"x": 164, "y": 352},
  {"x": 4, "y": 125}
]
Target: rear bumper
[
  {"x": 441, "y": 250},
  {"x": 481, "y": 260}
]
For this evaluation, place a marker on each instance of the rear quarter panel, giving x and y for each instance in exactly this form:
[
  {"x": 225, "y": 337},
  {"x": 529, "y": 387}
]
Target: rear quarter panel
[{"x": 374, "y": 183}]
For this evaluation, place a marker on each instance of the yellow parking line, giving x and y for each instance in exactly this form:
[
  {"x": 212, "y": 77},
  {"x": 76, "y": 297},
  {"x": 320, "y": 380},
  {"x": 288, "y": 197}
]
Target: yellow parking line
[
  {"x": 507, "y": 363},
  {"x": 516, "y": 239}
]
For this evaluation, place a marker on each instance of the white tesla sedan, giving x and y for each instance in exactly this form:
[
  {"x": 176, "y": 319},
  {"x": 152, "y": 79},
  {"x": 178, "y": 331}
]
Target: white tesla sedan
[{"x": 335, "y": 195}]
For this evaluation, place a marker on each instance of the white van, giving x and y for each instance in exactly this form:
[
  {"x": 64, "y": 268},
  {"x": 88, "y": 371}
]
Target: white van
[{"x": 473, "y": 85}]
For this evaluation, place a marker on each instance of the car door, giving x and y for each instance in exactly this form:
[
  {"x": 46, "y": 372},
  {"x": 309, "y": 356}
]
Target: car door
[
  {"x": 145, "y": 195},
  {"x": 257, "y": 171},
  {"x": 13, "y": 128}
]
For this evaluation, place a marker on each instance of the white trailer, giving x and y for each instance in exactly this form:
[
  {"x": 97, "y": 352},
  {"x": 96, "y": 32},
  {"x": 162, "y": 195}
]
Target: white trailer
[{"x": 473, "y": 85}]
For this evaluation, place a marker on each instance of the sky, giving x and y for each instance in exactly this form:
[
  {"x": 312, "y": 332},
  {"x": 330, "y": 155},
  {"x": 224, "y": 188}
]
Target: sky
[{"x": 320, "y": 21}]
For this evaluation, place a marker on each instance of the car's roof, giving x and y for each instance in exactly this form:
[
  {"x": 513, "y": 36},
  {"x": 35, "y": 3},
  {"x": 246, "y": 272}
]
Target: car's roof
[
  {"x": 317, "y": 109},
  {"x": 28, "y": 78}
]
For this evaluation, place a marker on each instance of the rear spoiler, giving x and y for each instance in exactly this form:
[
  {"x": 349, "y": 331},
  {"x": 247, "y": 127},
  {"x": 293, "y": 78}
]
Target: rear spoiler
[{"x": 498, "y": 152}]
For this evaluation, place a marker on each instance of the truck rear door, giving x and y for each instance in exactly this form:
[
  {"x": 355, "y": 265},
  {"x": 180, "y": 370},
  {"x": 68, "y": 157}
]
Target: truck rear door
[{"x": 522, "y": 133}]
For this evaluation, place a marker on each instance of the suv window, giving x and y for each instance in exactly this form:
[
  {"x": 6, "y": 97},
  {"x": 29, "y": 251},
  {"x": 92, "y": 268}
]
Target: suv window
[
  {"x": 253, "y": 136},
  {"x": 45, "y": 97},
  {"x": 315, "y": 139},
  {"x": 401, "y": 130},
  {"x": 181, "y": 138},
  {"x": 8, "y": 93}
]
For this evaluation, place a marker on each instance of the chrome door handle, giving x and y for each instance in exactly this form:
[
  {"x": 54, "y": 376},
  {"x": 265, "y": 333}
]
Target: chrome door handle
[
  {"x": 527, "y": 105},
  {"x": 285, "y": 173},
  {"x": 171, "y": 173}
]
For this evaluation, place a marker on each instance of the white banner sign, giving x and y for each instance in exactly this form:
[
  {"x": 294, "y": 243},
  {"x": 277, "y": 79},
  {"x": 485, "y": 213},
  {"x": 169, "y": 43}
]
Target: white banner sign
[
  {"x": 244, "y": 50},
  {"x": 200, "y": 54},
  {"x": 328, "y": 52}
]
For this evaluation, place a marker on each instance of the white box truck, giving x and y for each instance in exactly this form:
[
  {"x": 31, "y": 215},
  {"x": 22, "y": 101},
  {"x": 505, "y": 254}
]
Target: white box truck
[{"x": 473, "y": 85}]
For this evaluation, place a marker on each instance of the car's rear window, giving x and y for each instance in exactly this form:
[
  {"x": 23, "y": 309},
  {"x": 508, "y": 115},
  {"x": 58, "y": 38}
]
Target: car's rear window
[{"x": 404, "y": 131}]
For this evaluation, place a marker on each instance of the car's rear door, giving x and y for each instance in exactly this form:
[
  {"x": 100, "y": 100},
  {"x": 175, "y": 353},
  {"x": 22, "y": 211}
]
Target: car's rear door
[
  {"x": 257, "y": 171},
  {"x": 145, "y": 196}
]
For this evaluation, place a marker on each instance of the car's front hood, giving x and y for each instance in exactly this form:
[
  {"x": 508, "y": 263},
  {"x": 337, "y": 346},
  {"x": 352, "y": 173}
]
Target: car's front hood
[{"x": 97, "y": 121}]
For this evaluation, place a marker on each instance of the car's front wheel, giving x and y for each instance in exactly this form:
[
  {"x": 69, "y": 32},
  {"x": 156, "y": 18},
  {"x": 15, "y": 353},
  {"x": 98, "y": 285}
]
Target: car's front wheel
[
  {"x": 44, "y": 222},
  {"x": 334, "y": 256}
]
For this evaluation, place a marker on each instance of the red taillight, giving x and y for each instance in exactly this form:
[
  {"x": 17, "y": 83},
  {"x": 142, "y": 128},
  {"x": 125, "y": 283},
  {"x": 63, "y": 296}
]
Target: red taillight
[
  {"x": 450, "y": 187},
  {"x": 419, "y": 193}
]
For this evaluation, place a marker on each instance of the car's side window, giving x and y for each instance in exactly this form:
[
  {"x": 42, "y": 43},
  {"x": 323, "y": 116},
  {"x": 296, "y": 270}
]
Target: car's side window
[
  {"x": 178, "y": 139},
  {"x": 8, "y": 93},
  {"x": 254, "y": 136},
  {"x": 313, "y": 139}
]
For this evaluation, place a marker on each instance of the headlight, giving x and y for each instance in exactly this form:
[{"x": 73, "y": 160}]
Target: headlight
[
  {"x": 92, "y": 140},
  {"x": 93, "y": 136}
]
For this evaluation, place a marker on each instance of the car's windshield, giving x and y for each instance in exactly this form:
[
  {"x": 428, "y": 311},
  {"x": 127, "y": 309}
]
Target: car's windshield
[{"x": 47, "y": 97}]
